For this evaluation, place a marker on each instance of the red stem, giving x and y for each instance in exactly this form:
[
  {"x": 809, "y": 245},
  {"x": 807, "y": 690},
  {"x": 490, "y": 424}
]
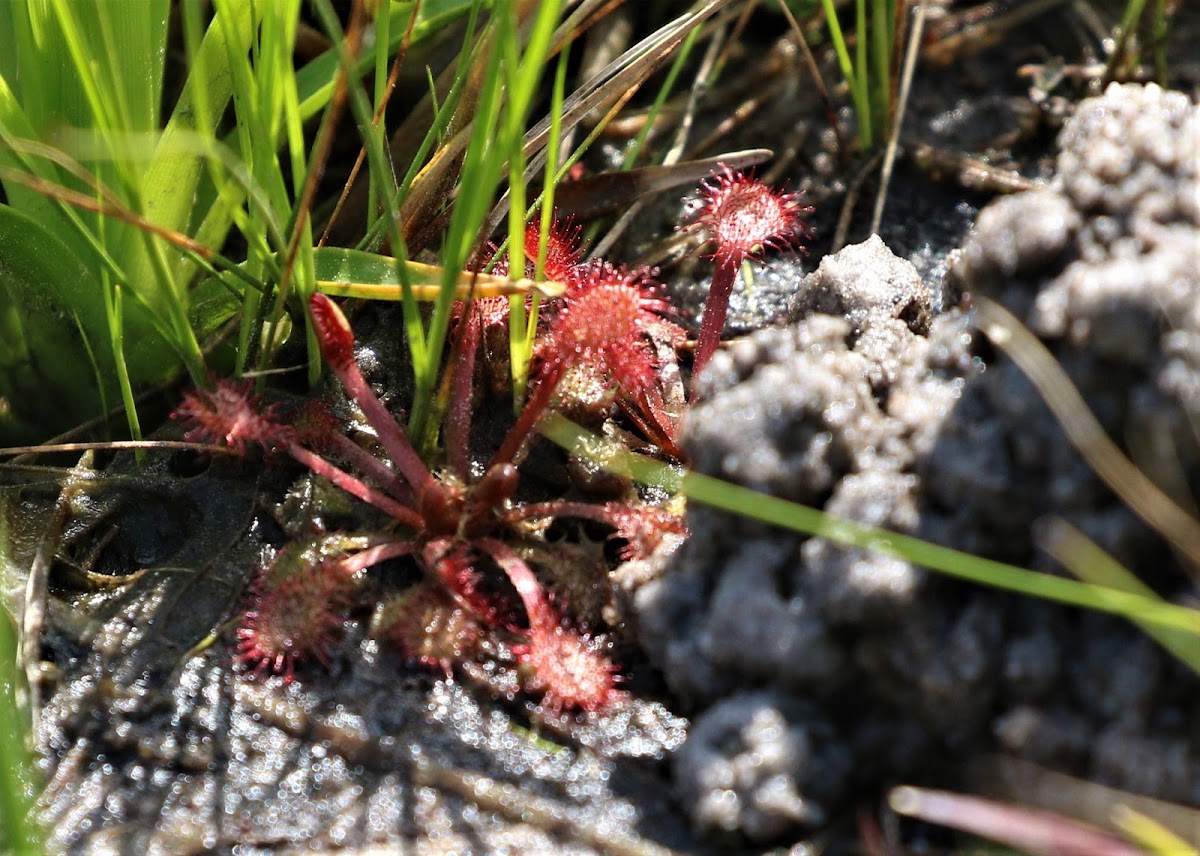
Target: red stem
[
  {"x": 355, "y": 486},
  {"x": 352, "y": 564},
  {"x": 531, "y": 414},
  {"x": 715, "y": 309},
  {"x": 391, "y": 436},
  {"x": 383, "y": 475},
  {"x": 458, "y": 411},
  {"x": 559, "y": 508},
  {"x": 655, "y": 424},
  {"x": 523, "y": 579},
  {"x": 337, "y": 346}
]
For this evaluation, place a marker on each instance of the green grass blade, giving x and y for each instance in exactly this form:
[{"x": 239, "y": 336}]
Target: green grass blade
[
  {"x": 15, "y": 125},
  {"x": 314, "y": 81},
  {"x": 278, "y": 40},
  {"x": 258, "y": 62},
  {"x": 1128, "y": 26},
  {"x": 525, "y": 73},
  {"x": 881, "y": 28},
  {"x": 446, "y": 115},
  {"x": 480, "y": 174},
  {"x": 622, "y": 77},
  {"x": 953, "y": 563},
  {"x": 49, "y": 87},
  {"x": 10, "y": 45},
  {"x": 343, "y": 272},
  {"x": 51, "y": 291},
  {"x": 1084, "y": 558},
  {"x": 135, "y": 50},
  {"x": 382, "y": 53},
  {"x": 18, "y": 834},
  {"x": 1151, "y": 835},
  {"x": 119, "y": 95},
  {"x": 508, "y": 38},
  {"x": 380, "y": 172},
  {"x": 810, "y": 521},
  {"x": 546, "y": 197},
  {"x": 36, "y": 95},
  {"x": 521, "y": 357},
  {"x": 852, "y": 76},
  {"x": 862, "y": 72},
  {"x": 116, "y": 330},
  {"x": 281, "y": 80},
  {"x": 173, "y": 178},
  {"x": 1159, "y": 32}
]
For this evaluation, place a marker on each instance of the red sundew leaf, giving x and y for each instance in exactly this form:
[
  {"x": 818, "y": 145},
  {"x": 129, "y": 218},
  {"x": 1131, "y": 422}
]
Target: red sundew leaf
[
  {"x": 603, "y": 323},
  {"x": 453, "y": 564},
  {"x": 334, "y": 334},
  {"x": 605, "y": 320},
  {"x": 570, "y": 669},
  {"x": 562, "y": 252},
  {"x": 314, "y": 425},
  {"x": 642, "y": 528},
  {"x": 430, "y": 628},
  {"x": 743, "y": 216},
  {"x": 293, "y": 617},
  {"x": 230, "y": 414},
  {"x": 607, "y": 324}
]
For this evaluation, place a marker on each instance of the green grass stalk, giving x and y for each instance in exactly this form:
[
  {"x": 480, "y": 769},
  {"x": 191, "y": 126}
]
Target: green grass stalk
[
  {"x": 883, "y": 16},
  {"x": 518, "y": 323},
  {"x": 1087, "y": 561},
  {"x": 795, "y": 517},
  {"x": 862, "y": 74},
  {"x": 1131, "y": 18},
  {"x": 521, "y": 346},
  {"x": 521, "y": 352},
  {"x": 480, "y": 174},
  {"x": 524, "y": 72},
  {"x": 381, "y": 175},
  {"x": 1159, "y": 32},
  {"x": 444, "y": 115},
  {"x": 382, "y": 54},
  {"x": 857, "y": 91},
  {"x": 18, "y": 833},
  {"x": 113, "y": 300}
]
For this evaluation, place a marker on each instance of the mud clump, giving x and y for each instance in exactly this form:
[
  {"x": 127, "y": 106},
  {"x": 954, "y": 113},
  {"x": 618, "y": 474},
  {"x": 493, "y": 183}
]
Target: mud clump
[
  {"x": 833, "y": 411},
  {"x": 875, "y": 409},
  {"x": 761, "y": 763}
]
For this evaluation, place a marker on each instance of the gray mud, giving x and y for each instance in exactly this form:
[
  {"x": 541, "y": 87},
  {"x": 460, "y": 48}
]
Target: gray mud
[{"x": 814, "y": 671}]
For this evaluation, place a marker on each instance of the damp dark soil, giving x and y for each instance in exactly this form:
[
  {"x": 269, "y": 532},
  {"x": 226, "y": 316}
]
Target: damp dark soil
[{"x": 778, "y": 685}]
